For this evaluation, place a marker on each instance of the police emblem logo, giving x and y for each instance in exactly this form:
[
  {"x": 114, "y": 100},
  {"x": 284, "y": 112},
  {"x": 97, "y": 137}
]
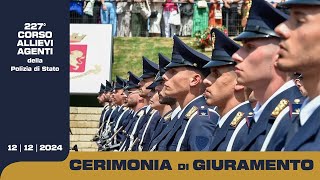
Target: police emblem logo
[
  {"x": 236, "y": 120},
  {"x": 78, "y": 53},
  {"x": 191, "y": 112},
  {"x": 203, "y": 112},
  {"x": 295, "y": 108},
  {"x": 249, "y": 119},
  {"x": 296, "y": 101},
  {"x": 282, "y": 104}
]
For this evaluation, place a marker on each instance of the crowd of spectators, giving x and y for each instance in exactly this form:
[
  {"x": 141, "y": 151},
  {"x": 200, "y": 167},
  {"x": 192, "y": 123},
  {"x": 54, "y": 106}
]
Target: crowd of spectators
[{"x": 154, "y": 18}]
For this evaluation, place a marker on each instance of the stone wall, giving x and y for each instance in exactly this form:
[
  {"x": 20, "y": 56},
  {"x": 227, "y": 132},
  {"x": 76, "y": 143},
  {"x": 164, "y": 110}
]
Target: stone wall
[{"x": 84, "y": 122}]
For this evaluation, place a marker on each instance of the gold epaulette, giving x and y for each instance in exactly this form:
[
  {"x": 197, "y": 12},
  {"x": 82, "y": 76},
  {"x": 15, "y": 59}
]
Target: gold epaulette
[
  {"x": 167, "y": 117},
  {"x": 152, "y": 111},
  {"x": 236, "y": 120},
  {"x": 282, "y": 104},
  {"x": 141, "y": 113},
  {"x": 191, "y": 111}
]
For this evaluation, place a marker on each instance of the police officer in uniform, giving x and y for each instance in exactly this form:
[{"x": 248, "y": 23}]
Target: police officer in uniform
[
  {"x": 157, "y": 102},
  {"x": 118, "y": 98},
  {"x": 192, "y": 129},
  {"x": 255, "y": 69},
  {"x": 104, "y": 96},
  {"x": 150, "y": 70},
  {"x": 223, "y": 91},
  {"x": 137, "y": 103},
  {"x": 163, "y": 99},
  {"x": 116, "y": 109},
  {"x": 299, "y": 52}
]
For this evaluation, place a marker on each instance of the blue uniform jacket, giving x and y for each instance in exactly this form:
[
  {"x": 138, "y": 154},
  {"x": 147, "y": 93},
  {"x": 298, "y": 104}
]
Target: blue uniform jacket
[
  {"x": 258, "y": 131},
  {"x": 159, "y": 128},
  {"x": 123, "y": 122},
  {"x": 129, "y": 128},
  {"x": 199, "y": 133},
  {"x": 147, "y": 136},
  {"x": 222, "y": 135},
  {"x": 278, "y": 138},
  {"x": 308, "y": 136}
]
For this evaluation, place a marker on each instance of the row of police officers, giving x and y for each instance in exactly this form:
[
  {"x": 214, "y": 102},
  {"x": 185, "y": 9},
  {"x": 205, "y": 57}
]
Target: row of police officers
[{"x": 243, "y": 98}]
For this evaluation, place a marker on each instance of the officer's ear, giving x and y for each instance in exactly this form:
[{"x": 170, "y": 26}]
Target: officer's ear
[
  {"x": 238, "y": 87},
  {"x": 195, "y": 80},
  {"x": 140, "y": 99},
  {"x": 298, "y": 83}
]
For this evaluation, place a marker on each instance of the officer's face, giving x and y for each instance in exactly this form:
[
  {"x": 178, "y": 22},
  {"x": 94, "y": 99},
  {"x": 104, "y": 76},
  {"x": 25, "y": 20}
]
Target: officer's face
[
  {"x": 163, "y": 99},
  {"x": 177, "y": 82},
  {"x": 300, "y": 47},
  {"x": 125, "y": 99},
  {"x": 118, "y": 96},
  {"x": 154, "y": 100},
  {"x": 255, "y": 62},
  {"x": 143, "y": 87},
  {"x": 132, "y": 97},
  {"x": 101, "y": 98},
  {"x": 220, "y": 85},
  {"x": 107, "y": 96},
  {"x": 160, "y": 90}
]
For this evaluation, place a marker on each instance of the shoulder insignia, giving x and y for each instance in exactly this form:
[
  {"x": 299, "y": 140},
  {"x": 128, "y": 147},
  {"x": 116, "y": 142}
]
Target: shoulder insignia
[
  {"x": 236, "y": 120},
  {"x": 153, "y": 111},
  {"x": 295, "y": 107},
  {"x": 141, "y": 113},
  {"x": 191, "y": 111},
  {"x": 282, "y": 104},
  {"x": 249, "y": 119},
  {"x": 203, "y": 112},
  {"x": 167, "y": 117}
]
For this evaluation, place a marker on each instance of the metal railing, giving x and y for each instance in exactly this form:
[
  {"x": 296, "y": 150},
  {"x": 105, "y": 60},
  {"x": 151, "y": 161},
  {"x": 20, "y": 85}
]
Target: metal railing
[{"x": 232, "y": 18}]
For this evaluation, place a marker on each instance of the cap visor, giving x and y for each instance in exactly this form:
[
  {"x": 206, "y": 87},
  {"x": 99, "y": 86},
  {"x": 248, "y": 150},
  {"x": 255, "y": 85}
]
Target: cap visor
[
  {"x": 173, "y": 65},
  {"x": 250, "y": 35},
  {"x": 299, "y": 2},
  {"x": 131, "y": 87},
  {"x": 218, "y": 64},
  {"x": 146, "y": 76},
  {"x": 153, "y": 85},
  {"x": 158, "y": 79}
]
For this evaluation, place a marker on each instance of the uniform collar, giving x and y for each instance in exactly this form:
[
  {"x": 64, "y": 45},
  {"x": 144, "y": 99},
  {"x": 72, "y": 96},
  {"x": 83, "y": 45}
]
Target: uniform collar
[
  {"x": 136, "y": 112},
  {"x": 308, "y": 107},
  {"x": 120, "y": 107},
  {"x": 148, "y": 108},
  {"x": 180, "y": 113},
  {"x": 225, "y": 117},
  {"x": 175, "y": 112},
  {"x": 259, "y": 108}
]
